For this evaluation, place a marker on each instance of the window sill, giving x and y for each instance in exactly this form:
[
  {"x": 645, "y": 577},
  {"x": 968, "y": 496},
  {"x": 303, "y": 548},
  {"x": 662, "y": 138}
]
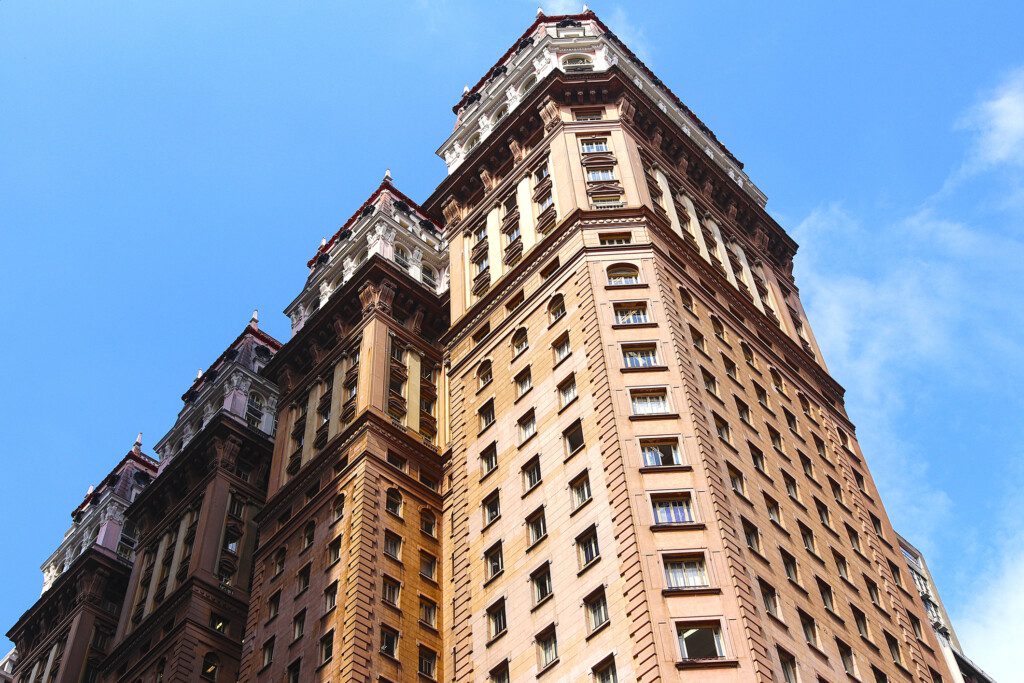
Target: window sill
[
  {"x": 850, "y": 584},
  {"x": 488, "y": 525},
  {"x": 561, "y": 360},
  {"x": 483, "y": 386},
  {"x": 531, "y": 489},
  {"x": 527, "y": 440},
  {"x": 550, "y": 665},
  {"x": 598, "y": 629},
  {"x": 429, "y": 627},
  {"x": 494, "y": 577},
  {"x": 573, "y": 453},
  {"x": 567, "y": 405},
  {"x": 633, "y": 326},
  {"x": 781, "y": 528},
  {"x": 482, "y": 431},
  {"x": 543, "y": 601},
  {"x": 797, "y": 586},
  {"x": 581, "y": 506},
  {"x": 818, "y": 651},
  {"x": 489, "y": 473},
  {"x": 637, "y": 285},
  {"x": 759, "y": 556},
  {"x": 835, "y": 617},
  {"x": 536, "y": 543},
  {"x": 870, "y": 644},
  {"x": 655, "y": 416},
  {"x": 520, "y": 396},
  {"x": 651, "y": 469},
  {"x": 496, "y": 638},
  {"x": 648, "y": 368},
  {"x": 698, "y": 590},
  {"x": 708, "y": 663},
  {"x": 778, "y": 621},
  {"x": 678, "y": 526},
  {"x": 588, "y": 565}
]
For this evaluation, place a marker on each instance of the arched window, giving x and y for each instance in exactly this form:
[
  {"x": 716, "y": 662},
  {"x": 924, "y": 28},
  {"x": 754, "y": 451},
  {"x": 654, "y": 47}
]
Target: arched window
[
  {"x": 719, "y": 328},
  {"x": 428, "y": 522},
  {"x": 339, "y": 506},
  {"x": 484, "y": 374},
  {"x": 780, "y": 386},
  {"x": 500, "y": 114},
  {"x": 556, "y": 309},
  {"x": 211, "y": 664},
  {"x": 520, "y": 341},
  {"x": 527, "y": 84},
  {"x": 429, "y": 276},
  {"x": 472, "y": 143},
  {"x": 254, "y": 410},
  {"x": 308, "y": 534},
  {"x": 748, "y": 354},
  {"x": 393, "y": 502},
  {"x": 578, "y": 63},
  {"x": 686, "y": 298},
  {"x": 401, "y": 256},
  {"x": 623, "y": 274}
]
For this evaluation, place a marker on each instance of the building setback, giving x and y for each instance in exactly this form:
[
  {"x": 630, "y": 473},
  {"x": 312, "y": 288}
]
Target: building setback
[
  {"x": 64, "y": 636},
  {"x": 187, "y": 596},
  {"x": 566, "y": 420}
]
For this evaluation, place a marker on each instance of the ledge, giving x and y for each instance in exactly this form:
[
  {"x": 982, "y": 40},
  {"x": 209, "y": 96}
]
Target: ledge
[
  {"x": 649, "y": 368},
  {"x": 633, "y": 326},
  {"x": 657, "y": 416},
  {"x": 678, "y": 526},
  {"x": 708, "y": 663},
  {"x": 705, "y": 590},
  {"x": 651, "y": 469}
]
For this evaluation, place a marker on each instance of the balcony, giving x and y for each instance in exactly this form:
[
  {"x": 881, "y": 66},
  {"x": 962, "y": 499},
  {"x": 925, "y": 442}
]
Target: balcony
[
  {"x": 482, "y": 281},
  {"x": 546, "y": 219},
  {"x": 605, "y": 206}
]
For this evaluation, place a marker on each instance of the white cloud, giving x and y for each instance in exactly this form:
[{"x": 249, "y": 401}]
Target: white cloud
[
  {"x": 998, "y": 124},
  {"x": 629, "y": 33}
]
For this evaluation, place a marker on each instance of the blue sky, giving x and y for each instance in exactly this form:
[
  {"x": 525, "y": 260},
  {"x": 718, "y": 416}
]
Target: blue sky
[{"x": 167, "y": 167}]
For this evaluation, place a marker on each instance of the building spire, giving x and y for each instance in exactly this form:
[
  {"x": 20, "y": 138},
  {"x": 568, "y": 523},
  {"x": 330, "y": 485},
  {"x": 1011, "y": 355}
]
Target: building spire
[
  {"x": 540, "y": 11},
  {"x": 199, "y": 373},
  {"x": 387, "y": 175},
  {"x": 254, "y": 321},
  {"x": 137, "y": 446}
]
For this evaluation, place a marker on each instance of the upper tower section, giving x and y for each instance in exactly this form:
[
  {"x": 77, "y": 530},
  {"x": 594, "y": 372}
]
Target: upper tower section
[
  {"x": 232, "y": 385},
  {"x": 389, "y": 224},
  {"x": 99, "y": 518},
  {"x": 572, "y": 44}
]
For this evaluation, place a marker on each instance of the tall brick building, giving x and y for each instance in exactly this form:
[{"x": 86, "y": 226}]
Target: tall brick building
[{"x": 565, "y": 420}]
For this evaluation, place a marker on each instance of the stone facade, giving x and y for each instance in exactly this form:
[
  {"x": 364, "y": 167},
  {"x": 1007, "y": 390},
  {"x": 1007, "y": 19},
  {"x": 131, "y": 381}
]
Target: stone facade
[
  {"x": 188, "y": 592},
  {"x": 65, "y": 634}
]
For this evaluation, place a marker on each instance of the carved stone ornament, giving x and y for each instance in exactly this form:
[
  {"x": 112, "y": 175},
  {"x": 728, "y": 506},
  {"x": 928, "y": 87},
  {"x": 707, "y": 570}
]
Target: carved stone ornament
[
  {"x": 549, "y": 113},
  {"x": 377, "y": 297},
  {"x": 760, "y": 238},
  {"x": 518, "y": 151},
  {"x": 627, "y": 110},
  {"x": 226, "y": 451},
  {"x": 452, "y": 210},
  {"x": 489, "y": 180}
]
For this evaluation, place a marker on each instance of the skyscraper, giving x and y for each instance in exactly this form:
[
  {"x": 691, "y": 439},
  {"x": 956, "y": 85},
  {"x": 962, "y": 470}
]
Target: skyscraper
[{"x": 564, "y": 420}]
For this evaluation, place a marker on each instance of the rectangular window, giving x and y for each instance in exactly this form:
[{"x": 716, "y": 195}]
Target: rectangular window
[
  {"x": 489, "y": 458},
  {"x": 587, "y": 548},
  {"x": 827, "y": 597},
  {"x": 428, "y": 566},
  {"x": 757, "y": 458},
  {"x": 531, "y": 474},
  {"x": 685, "y": 572},
  {"x": 547, "y": 648},
  {"x": 723, "y": 429},
  {"x": 640, "y": 355},
  {"x": 486, "y": 413},
  {"x": 809, "y": 628},
  {"x": 596, "y": 607},
  {"x": 299, "y": 625},
  {"x": 847, "y": 656},
  {"x": 327, "y": 647},
  {"x": 428, "y": 612},
  {"x": 389, "y": 642},
  {"x": 788, "y": 662},
  {"x": 541, "y": 582},
  {"x": 593, "y": 145},
  {"x": 268, "y": 652},
  {"x": 631, "y": 313},
  {"x": 649, "y": 401},
  {"x": 700, "y": 641},
  {"x": 427, "y": 663},
  {"x": 710, "y": 383},
  {"x": 790, "y": 566},
  {"x": 331, "y": 597},
  {"x": 660, "y": 453},
  {"x": 615, "y": 238},
  {"x": 390, "y": 591},
  {"x": 894, "y": 648},
  {"x": 537, "y": 527},
  {"x": 527, "y": 426},
  {"x": 561, "y": 348},
  {"x": 770, "y": 597},
  {"x": 743, "y": 410},
  {"x": 606, "y": 673},
  {"x": 524, "y": 382},
  {"x": 736, "y": 481},
  {"x": 752, "y": 536},
  {"x": 496, "y": 622},
  {"x": 580, "y": 488},
  {"x": 492, "y": 508},
  {"x": 393, "y": 545},
  {"x": 672, "y": 509},
  {"x": 573, "y": 438},
  {"x": 600, "y": 174},
  {"x": 774, "y": 511},
  {"x": 494, "y": 561},
  {"x": 589, "y": 115},
  {"x": 274, "y": 605},
  {"x": 567, "y": 392}
]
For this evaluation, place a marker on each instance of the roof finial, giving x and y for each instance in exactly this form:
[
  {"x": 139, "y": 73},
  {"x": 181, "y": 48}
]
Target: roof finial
[
  {"x": 137, "y": 446},
  {"x": 199, "y": 373},
  {"x": 585, "y": 8},
  {"x": 255, "y": 319},
  {"x": 540, "y": 11},
  {"x": 323, "y": 242},
  {"x": 465, "y": 90},
  {"x": 387, "y": 175}
]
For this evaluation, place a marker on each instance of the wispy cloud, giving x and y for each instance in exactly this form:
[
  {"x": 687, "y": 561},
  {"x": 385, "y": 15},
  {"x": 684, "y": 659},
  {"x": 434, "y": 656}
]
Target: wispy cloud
[
  {"x": 998, "y": 124},
  {"x": 927, "y": 294},
  {"x": 631, "y": 34}
]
